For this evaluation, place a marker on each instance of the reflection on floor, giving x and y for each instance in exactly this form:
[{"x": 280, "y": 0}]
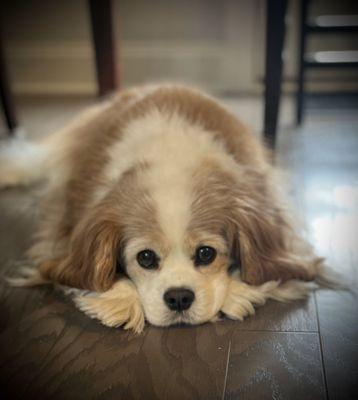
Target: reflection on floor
[{"x": 305, "y": 350}]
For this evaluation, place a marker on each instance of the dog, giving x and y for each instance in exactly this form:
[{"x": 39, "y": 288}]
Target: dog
[{"x": 161, "y": 206}]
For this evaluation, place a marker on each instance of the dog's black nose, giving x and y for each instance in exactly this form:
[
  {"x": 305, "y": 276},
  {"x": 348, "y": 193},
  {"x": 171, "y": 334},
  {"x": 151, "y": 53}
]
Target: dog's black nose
[{"x": 179, "y": 299}]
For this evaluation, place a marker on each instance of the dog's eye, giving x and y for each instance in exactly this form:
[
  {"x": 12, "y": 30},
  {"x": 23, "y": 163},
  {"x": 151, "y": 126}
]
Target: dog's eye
[
  {"x": 147, "y": 259},
  {"x": 205, "y": 255}
]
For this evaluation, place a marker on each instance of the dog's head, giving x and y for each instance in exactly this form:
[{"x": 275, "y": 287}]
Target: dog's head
[{"x": 176, "y": 237}]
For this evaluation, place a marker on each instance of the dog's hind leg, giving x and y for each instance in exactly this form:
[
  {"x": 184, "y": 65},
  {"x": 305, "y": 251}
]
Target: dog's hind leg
[{"x": 23, "y": 162}]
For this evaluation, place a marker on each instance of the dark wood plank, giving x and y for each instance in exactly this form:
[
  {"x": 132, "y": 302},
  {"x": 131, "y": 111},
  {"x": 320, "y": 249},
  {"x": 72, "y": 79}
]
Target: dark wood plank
[
  {"x": 24, "y": 346},
  {"x": 328, "y": 178},
  {"x": 299, "y": 316},
  {"x": 267, "y": 365},
  {"x": 339, "y": 335},
  {"x": 17, "y": 221},
  {"x": 57, "y": 351}
]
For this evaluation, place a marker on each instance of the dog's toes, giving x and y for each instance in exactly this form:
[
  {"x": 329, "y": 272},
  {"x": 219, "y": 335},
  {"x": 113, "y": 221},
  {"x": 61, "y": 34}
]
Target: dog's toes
[
  {"x": 113, "y": 311},
  {"x": 238, "y": 308}
]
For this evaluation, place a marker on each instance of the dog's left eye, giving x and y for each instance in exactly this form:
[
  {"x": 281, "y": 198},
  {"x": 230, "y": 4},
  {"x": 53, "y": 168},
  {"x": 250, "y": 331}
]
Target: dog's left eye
[
  {"x": 148, "y": 259},
  {"x": 205, "y": 255}
]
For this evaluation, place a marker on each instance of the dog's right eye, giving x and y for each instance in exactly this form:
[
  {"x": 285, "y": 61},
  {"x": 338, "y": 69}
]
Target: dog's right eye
[
  {"x": 205, "y": 255},
  {"x": 148, "y": 259}
]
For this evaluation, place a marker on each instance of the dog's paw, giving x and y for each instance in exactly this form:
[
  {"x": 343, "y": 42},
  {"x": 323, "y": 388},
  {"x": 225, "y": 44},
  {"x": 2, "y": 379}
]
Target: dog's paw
[
  {"x": 240, "y": 300},
  {"x": 119, "y": 306}
]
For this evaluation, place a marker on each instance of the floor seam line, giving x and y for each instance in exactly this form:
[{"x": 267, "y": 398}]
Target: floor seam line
[
  {"x": 226, "y": 371},
  {"x": 321, "y": 348}
]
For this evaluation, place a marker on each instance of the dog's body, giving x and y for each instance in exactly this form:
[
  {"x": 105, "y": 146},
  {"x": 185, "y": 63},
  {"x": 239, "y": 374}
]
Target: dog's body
[{"x": 152, "y": 199}]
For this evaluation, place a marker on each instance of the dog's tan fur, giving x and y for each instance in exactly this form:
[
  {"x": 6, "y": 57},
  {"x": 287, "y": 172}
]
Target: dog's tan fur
[{"x": 166, "y": 168}]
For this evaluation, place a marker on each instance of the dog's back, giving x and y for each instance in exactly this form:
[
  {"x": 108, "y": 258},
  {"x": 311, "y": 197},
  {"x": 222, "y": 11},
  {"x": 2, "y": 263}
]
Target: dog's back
[{"x": 73, "y": 159}]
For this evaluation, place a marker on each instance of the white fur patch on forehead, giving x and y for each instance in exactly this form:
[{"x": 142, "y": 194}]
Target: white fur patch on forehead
[{"x": 173, "y": 148}]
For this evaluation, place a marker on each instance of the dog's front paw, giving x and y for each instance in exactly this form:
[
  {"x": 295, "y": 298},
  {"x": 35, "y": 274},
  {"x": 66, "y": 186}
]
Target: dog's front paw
[
  {"x": 242, "y": 298},
  {"x": 118, "y": 306}
]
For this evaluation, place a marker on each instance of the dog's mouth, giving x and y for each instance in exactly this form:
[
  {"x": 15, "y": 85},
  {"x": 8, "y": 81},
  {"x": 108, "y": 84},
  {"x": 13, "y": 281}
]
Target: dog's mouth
[
  {"x": 184, "y": 318},
  {"x": 179, "y": 318}
]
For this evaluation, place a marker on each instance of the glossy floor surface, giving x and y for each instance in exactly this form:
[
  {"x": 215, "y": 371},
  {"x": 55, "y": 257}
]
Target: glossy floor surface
[{"x": 305, "y": 350}]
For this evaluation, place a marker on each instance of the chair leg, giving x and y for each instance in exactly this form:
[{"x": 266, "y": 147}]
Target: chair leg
[
  {"x": 104, "y": 45},
  {"x": 301, "y": 67},
  {"x": 275, "y": 34},
  {"x": 6, "y": 95}
]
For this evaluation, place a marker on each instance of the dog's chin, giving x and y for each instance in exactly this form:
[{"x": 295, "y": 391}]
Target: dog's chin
[
  {"x": 175, "y": 319},
  {"x": 178, "y": 319},
  {"x": 181, "y": 318}
]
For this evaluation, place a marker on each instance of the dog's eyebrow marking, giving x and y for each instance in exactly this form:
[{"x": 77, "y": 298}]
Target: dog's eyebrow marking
[
  {"x": 212, "y": 199},
  {"x": 138, "y": 211}
]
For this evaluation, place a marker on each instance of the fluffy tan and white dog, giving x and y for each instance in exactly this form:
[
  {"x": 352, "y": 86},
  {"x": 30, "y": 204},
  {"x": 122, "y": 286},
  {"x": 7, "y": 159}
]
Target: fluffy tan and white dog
[{"x": 164, "y": 206}]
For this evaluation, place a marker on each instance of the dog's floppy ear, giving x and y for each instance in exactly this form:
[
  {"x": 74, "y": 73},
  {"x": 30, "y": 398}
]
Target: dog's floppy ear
[
  {"x": 267, "y": 244},
  {"x": 91, "y": 260}
]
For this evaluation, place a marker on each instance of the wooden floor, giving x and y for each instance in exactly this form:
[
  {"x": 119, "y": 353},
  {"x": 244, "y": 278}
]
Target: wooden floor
[{"x": 306, "y": 350}]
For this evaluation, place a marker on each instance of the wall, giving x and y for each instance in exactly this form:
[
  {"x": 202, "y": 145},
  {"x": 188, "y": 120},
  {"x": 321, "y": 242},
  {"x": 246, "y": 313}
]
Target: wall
[{"x": 215, "y": 44}]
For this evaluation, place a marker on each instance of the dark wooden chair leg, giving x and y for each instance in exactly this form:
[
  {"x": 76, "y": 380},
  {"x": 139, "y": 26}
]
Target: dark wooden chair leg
[
  {"x": 275, "y": 33},
  {"x": 104, "y": 45},
  {"x": 5, "y": 93},
  {"x": 301, "y": 69}
]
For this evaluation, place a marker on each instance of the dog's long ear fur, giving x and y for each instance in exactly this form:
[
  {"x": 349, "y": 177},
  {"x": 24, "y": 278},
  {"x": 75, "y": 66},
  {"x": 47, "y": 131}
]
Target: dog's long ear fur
[
  {"x": 268, "y": 245},
  {"x": 91, "y": 260}
]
